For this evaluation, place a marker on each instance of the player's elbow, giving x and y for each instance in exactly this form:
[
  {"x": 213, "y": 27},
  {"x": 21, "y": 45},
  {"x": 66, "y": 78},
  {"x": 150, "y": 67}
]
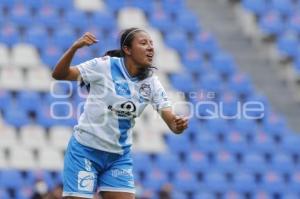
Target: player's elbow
[{"x": 57, "y": 76}]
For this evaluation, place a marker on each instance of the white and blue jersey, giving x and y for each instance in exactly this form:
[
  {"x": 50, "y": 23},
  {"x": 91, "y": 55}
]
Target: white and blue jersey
[{"x": 115, "y": 99}]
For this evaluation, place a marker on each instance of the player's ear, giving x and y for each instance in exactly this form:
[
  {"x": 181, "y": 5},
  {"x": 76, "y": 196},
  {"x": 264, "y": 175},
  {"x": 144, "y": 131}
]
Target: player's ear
[{"x": 127, "y": 50}]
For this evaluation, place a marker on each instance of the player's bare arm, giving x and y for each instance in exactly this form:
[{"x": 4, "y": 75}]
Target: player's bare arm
[{"x": 177, "y": 124}]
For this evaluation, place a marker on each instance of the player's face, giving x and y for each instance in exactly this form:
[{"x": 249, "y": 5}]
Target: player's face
[{"x": 142, "y": 50}]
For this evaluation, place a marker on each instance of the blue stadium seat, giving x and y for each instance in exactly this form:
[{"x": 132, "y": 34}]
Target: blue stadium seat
[
  {"x": 24, "y": 193},
  {"x": 197, "y": 161},
  {"x": 20, "y": 15},
  {"x": 188, "y": 21},
  {"x": 177, "y": 40},
  {"x": 245, "y": 126},
  {"x": 229, "y": 106},
  {"x": 244, "y": 182},
  {"x": 282, "y": 163},
  {"x": 260, "y": 193},
  {"x": 32, "y": 4},
  {"x": 293, "y": 23},
  {"x": 29, "y": 101},
  {"x": 16, "y": 116},
  {"x": 183, "y": 82},
  {"x": 186, "y": 181},
  {"x": 173, "y": 6},
  {"x": 217, "y": 126},
  {"x": 178, "y": 195},
  {"x": 48, "y": 17},
  {"x": 40, "y": 175},
  {"x": 288, "y": 44},
  {"x": 212, "y": 83},
  {"x": 206, "y": 43},
  {"x": 193, "y": 61},
  {"x": 11, "y": 178},
  {"x": 178, "y": 144},
  {"x": 9, "y": 34},
  {"x": 240, "y": 84},
  {"x": 37, "y": 36},
  {"x": 4, "y": 194},
  {"x": 161, "y": 21},
  {"x": 290, "y": 143},
  {"x": 167, "y": 162},
  {"x": 224, "y": 64},
  {"x": 206, "y": 195},
  {"x": 147, "y": 6},
  {"x": 284, "y": 7},
  {"x": 115, "y": 5},
  {"x": 291, "y": 195},
  {"x": 215, "y": 181},
  {"x": 71, "y": 18},
  {"x": 8, "y": 3},
  {"x": 141, "y": 163},
  {"x": 103, "y": 20},
  {"x": 155, "y": 179},
  {"x": 235, "y": 142},
  {"x": 5, "y": 98},
  {"x": 64, "y": 37},
  {"x": 258, "y": 7},
  {"x": 64, "y": 5},
  {"x": 225, "y": 162},
  {"x": 50, "y": 54},
  {"x": 273, "y": 182},
  {"x": 294, "y": 183},
  {"x": 263, "y": 143},
  {"x": 274, "y": 124},
  {"x": 233, "y": 195},
  {"x": 271, "y": 24},
  {"x": 254, "y": 163},
  {"x": 207, "y": 142}
]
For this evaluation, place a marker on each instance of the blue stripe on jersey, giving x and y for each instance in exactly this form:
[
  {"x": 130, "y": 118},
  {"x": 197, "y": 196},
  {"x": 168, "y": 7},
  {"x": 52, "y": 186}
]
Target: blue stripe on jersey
[
  {"x": 124, "y": 125},
  {"x": 122, "y": 89},
  {"x": 121, "y": 85}
]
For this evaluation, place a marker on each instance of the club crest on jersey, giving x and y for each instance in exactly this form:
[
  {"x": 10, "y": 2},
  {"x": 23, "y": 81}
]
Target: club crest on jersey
[
  {"x": 126, "y": 109},
  {"x": 145, "y": 90}
]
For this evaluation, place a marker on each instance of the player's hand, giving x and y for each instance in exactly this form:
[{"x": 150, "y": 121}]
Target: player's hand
[
  {"x": 180, "y": 123},
  {"x": 86, "y": 40}
]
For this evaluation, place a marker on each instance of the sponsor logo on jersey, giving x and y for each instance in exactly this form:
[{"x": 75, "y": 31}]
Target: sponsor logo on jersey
[{"x": 126, "y": 109}]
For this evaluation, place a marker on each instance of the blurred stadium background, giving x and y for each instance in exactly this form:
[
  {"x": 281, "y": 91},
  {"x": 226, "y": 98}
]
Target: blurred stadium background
[{"x": 240, "y": 50}]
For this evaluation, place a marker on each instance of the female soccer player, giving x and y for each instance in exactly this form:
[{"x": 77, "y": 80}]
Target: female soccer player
[{"x": 121, "y": 86}]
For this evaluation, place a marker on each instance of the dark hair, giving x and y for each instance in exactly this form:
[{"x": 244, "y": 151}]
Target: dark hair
[{"x": 126, "y": 39}]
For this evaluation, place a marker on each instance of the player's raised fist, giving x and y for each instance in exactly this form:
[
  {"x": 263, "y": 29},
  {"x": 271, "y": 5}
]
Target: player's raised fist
[{"x": 86, "y": 40}]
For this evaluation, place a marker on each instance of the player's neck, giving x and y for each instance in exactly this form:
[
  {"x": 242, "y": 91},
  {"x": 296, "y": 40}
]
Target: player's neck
[{"x": 132, "y": 69}]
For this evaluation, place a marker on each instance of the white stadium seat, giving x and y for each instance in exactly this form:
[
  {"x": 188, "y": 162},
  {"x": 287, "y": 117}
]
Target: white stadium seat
[
  {"x": 50, "y": 159},
  {"x": 167, "y": 60},
  {"x": 5, "y": 56},
  {"x": 39, "y": 79},
  {"x": 12, "y": 78},
  {"x": 8, "y": 136},
  {"x": 3, "y": 160},
  {"x": 93, "y": 5},
  {"x": 21, "y": 158},
  {"x": 59, "y": 137},
  {"x": 33, "y": 137},
  {"x": 149, "y": 139},
  {"x": 131, "y": 17},
  {"x": 25, "y": 56}
]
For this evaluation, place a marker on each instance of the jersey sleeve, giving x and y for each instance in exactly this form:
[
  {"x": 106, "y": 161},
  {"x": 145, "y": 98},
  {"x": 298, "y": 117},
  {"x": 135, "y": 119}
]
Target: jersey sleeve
[
  {"x": 91, "y": 70},
  {"x": 160, "y": 99}
]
